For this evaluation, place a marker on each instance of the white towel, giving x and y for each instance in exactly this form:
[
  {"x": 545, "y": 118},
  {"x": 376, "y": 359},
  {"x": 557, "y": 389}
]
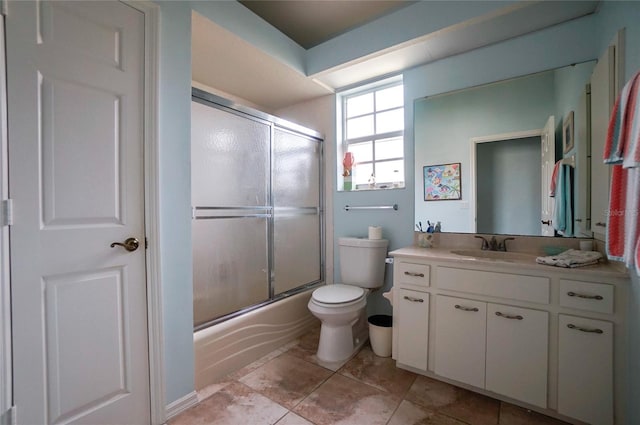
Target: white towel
[{"x": 571, "y": 258}]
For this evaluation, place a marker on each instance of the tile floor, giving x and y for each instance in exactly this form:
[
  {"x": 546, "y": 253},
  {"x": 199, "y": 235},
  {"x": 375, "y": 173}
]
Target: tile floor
[{"x": 290, "y": 387}]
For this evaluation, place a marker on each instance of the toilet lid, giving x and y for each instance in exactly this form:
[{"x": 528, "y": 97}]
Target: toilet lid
[{"x": 337, "y": 294}]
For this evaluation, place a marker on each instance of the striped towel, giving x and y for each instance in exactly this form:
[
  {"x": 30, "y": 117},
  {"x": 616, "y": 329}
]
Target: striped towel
[
  {"x": 622, "y": 150},
  {"x": 623, "y": 122}
]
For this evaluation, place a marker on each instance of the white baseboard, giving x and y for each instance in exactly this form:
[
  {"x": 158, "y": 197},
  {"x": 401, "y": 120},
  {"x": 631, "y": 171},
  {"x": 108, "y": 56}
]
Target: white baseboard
[{"x": 181, "y": 404}]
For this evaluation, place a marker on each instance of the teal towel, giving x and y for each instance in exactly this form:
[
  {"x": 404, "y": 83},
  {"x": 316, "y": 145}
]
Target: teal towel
[{"x": 563, "y": 207}]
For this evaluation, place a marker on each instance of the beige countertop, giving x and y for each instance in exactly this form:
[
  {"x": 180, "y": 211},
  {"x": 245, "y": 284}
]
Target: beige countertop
[{"x": 519, "y": 261}]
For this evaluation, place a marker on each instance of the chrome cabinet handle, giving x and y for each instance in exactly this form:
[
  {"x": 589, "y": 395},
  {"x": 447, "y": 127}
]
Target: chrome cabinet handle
[
  {"x": 459, "y": 307},
  {"x": 413, "y": 300},
  {"x": 509, "y": 316},
  {"x": 589, "y": 297},
  {"x": 578, "y": 328},
  {"x": 130, "y": 244},
  {"x": 414, "y": 274}
]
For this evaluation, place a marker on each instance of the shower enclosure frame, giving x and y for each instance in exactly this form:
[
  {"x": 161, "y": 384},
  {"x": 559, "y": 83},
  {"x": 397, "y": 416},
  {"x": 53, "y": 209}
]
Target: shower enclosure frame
[{"x": 267, "y": 211}]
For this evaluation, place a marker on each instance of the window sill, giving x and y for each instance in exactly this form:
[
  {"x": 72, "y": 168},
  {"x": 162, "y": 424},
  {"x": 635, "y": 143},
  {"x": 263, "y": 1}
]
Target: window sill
[{"x": 366, "y": 188}]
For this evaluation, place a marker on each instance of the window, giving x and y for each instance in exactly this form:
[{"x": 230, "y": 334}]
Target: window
[{"x": 373, "y": 132}]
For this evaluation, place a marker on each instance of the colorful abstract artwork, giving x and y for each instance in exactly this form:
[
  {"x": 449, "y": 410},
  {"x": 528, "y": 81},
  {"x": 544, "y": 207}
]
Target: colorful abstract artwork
[{"x": 442, "y": 182}]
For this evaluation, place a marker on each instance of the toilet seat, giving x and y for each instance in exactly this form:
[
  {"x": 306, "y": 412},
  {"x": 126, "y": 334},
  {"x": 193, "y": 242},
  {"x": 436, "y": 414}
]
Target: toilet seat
[{"x": 337, "y": 295}]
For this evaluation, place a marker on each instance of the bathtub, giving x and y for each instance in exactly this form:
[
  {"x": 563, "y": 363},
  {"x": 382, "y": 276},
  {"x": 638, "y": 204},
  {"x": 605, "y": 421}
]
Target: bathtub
[{"x": 235, "y": 343}]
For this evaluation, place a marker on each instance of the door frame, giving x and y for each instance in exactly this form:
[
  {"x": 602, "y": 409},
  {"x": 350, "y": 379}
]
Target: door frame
[
  {"x": 6, "y": 377},
  {"x": 474, "y": 141},
  {"x": 152, "y": 206},
  {"x": 153, "y": 283}
]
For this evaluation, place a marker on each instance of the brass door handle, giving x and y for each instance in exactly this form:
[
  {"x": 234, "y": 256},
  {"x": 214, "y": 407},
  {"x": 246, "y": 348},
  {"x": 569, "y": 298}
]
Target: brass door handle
[{"x": 130, "y": 244}]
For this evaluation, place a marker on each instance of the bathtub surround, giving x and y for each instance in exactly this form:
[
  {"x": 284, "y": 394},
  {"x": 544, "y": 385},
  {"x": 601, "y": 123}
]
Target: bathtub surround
[{"x": 233, "y": 344}]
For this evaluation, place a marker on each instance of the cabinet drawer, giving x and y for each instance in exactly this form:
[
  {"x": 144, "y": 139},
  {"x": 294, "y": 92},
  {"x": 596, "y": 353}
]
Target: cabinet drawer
[
  {"x": 596, "y": 297},
  {"x": 503, "y": 285},
  {"x": 413, "y": 274}
]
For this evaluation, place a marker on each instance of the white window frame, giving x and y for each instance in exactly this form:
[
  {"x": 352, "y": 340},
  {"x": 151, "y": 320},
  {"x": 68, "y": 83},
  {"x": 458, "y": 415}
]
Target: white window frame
[{"x": 342, "y": 132}]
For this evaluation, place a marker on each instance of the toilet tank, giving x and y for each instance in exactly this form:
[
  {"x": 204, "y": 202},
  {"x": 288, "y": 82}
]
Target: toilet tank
[{"x": 362, "y": 261}]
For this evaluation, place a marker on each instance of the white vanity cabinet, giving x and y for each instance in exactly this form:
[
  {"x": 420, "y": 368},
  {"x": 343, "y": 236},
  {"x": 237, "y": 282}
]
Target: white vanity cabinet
[
  {"x": 549, "y": 339},
  {"x": 460, "y": 339},
  {"x": 517, "y": 353},
  {"x": 585, "y": 361},
  {"x": 412, "y": 320},
  {"x": 500, "y": 348}
]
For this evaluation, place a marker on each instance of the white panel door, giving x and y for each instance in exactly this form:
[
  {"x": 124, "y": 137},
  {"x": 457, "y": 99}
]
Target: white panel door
[
  {"x": 547, "y": 161},
  {"x": 460, "y": 339},
  {"x": 75, "y": 107},
  {"x": 413, "y": 328},
  {"x": 517, "y": 342}
]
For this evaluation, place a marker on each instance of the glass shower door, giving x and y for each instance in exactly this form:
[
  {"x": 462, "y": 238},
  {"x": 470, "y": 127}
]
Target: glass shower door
[
  {"x": 230, "y": 166},
  {"x": 297, "y": 203}
]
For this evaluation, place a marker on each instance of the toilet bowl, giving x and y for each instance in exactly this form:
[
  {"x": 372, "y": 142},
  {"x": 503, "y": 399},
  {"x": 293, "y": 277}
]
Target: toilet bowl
[{"x": 341, "y": 306}]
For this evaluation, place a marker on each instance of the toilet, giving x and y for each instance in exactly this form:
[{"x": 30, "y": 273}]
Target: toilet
[{"x": 341, "y": 306}]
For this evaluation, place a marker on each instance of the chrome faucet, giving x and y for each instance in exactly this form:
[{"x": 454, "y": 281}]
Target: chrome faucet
[{"x": 493, "y": 244}]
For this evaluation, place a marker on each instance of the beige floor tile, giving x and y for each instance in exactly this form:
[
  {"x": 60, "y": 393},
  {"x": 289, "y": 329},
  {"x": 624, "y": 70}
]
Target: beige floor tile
[
  {"x": 286, "y": 379},
  {"x": 412, "y": 414},
  {"x": 293, "y": 419},
  {"x": 379, "y": 372},
  {"x": 345, "y": 401},
  {"x": 308, "y": 346},
  {"x": 235, "y": 404},
  {"x": 514, "y": 415},
  {"x": 458, "y": 403},
  {"x": 258, "y": 363},
  {"x": 209, "y": 390}
]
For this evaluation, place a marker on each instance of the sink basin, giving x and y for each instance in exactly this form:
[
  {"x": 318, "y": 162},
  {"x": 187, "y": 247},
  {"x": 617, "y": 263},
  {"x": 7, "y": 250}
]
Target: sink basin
[{"x": 494, "y": 255}]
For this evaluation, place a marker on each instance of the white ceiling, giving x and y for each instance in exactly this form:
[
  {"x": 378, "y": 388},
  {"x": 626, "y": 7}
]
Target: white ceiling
[{"x": 222, "y": 60}]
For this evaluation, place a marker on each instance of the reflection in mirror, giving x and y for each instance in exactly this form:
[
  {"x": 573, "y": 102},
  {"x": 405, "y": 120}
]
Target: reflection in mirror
[{"x": 499, "y": 133}]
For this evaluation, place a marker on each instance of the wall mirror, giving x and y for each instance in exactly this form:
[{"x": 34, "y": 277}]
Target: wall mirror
[{"x": 497, "y": 133}]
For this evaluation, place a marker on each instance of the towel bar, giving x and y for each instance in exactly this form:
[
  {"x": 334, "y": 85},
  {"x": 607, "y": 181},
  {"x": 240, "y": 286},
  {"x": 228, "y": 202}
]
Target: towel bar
[{"x": 378, "y": 207}]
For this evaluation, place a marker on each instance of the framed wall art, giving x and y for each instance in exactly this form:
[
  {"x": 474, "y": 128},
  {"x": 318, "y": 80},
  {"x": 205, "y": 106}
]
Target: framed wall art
[
  {"x": 567, "y": 133},
  {"x": 442, "y": 182}
]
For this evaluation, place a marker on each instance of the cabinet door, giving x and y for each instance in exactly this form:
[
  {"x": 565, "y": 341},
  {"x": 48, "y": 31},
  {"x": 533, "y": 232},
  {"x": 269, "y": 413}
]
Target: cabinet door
[
  {"x": 585, "y": 369},
  {"x": 517, "y": 342},
  {"x": 413, "y": 328},
  {"x": 460, "y": 339}
]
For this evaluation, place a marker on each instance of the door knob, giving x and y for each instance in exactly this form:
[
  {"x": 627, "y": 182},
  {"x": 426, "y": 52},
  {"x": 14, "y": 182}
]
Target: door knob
[
  {"x": 547, "y": 222},
  {"x": 130, "y": 244}
]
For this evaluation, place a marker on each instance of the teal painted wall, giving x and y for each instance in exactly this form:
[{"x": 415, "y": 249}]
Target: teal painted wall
[
  {"x": 509, "y": 197},
  {"x": 175, "y": 197}
]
